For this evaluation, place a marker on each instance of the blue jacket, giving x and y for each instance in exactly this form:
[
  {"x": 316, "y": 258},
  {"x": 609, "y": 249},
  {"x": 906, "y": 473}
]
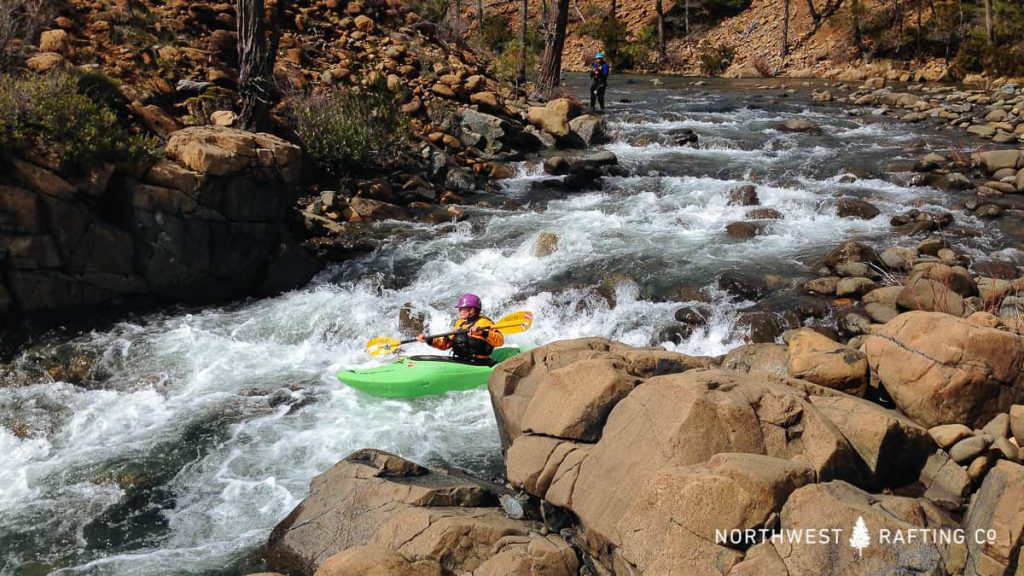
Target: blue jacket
[{"x": 600, "y": 70}]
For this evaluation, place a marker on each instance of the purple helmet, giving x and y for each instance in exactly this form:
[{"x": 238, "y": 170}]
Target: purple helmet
[{"x": 470, "y": 301}]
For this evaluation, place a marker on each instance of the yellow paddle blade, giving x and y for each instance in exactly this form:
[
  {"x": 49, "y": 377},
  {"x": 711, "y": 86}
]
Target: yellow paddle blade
[
  {"x": 515, "y": 323},
  {"x": 382, "y": 345}
]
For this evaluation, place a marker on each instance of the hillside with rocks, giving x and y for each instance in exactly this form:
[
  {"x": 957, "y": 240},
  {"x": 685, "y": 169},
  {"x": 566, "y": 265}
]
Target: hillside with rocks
[
  {"x": 819, "y": 48},
  {"x": 169, "y": 230}
]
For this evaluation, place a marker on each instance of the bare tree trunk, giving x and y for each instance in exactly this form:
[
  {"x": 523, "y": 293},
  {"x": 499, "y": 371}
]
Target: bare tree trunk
[
  {"x": 458, "y": 19},
  {"x": 521, "y": 77},
  {"x": 480, "y": 14},
  {"x": 254, "y": 62},
  {"x": 661, "y": 27},
  {"x": 990, "y": 29},
  {"x": 785, "y": 28},
  {"x": 858, "y": 41},
  {"x": 814, "y": 13},
  {"x": 551, "y": 62},
  {"x": 686, "y": 20},
  {"x": 614, "y": 8}
]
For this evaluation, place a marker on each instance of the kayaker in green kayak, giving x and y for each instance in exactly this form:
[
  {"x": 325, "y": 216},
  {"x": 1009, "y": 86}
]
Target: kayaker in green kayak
[{"x": 476, "y": 345}]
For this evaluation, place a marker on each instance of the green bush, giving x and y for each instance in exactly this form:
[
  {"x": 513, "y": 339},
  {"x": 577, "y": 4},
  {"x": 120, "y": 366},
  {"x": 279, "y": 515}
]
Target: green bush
[
  {"x": 347, "y": 132},
  {"x": 716, "y": 60},
  {"x": 637, "y": 52},
  {"x": 976, "y": 55},
  {"x": 506, "y": 64},
  {"x": 50, "y": 116},
  {"x": 497, "y": 32},
  {"x": 610, "y": 32}
]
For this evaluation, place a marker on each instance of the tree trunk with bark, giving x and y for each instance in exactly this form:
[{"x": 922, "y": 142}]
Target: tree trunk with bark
[
  {"x": 659, "y": 10},
  {"x": 785, "y": 28},
  {"x": 521, "y": 77},
  {"x": 255, "y": 64},
  {"x": 458, "y": 18},
  {"x": 990, "y": 29},
  {"x": 686, "y": 19},
  {"x": 551, "y": 62},
  {"x": 814, "y": 13},
  {"x": 615, "y": 6},
  {"x": 480, "y": 14}
]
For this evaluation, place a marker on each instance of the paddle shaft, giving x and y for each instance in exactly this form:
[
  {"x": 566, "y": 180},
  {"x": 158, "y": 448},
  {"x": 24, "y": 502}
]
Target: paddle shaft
[{"x": 429, "y": 337}]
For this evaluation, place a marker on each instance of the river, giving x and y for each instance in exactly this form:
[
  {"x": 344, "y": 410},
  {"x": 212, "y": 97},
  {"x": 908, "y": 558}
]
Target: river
[{"x": 197, "y": 430}]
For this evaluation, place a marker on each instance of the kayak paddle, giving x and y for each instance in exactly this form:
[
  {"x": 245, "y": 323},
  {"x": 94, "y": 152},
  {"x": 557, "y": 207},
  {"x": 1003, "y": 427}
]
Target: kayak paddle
[{"x": 512, "y": 324}]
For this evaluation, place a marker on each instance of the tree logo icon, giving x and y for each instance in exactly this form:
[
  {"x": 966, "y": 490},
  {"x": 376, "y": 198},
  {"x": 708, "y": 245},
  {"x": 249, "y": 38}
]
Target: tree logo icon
[{"x": 860, "y": 538}]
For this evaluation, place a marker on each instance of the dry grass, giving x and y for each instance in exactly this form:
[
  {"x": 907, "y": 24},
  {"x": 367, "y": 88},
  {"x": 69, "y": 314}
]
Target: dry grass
[{"x": 20, "y": 22}]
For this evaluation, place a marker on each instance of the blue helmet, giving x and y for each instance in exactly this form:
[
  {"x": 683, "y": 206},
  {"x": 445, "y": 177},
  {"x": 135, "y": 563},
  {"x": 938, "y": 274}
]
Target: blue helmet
[{"x": 599, "y": 55}]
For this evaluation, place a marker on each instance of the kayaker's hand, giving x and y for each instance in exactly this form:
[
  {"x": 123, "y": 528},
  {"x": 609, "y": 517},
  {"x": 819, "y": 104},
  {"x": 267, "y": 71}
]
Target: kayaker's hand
[
  {"x": 422, "y": 337},
  {"x": 478, "y": 332}
]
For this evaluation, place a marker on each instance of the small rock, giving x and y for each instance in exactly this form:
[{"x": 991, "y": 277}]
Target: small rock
[
  {"x": 745, "y": 195},
  {"x": 547, "y": 243},
  {"x": 968, "y": 449},
  {"x": 947, "y": 435},
  {"x": 998, "y": 427}
]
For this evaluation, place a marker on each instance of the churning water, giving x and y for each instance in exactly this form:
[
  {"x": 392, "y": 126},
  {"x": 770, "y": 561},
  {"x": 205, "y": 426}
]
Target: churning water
[{"x": 195, "y": 433}]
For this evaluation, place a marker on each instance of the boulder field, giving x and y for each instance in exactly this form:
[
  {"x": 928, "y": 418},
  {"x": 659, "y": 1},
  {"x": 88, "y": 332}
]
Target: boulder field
[{"x": 623, "y": 460}]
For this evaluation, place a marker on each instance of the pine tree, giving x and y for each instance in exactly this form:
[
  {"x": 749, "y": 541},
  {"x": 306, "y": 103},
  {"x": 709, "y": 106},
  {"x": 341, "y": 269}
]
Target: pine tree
[{"x": 860, "y": 539}]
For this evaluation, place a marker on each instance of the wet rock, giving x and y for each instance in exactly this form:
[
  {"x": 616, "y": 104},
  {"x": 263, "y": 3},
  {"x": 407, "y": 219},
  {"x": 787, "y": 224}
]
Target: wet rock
[
  {"x": 410, "y": 322},
  {"x": 763, "y": 214},
  {"x": 745, "y": 285},
  {"x": 677, "y": 334},
  {"x": 856, "y": 208},
  {"x": 556, "y": 166},
  {"x": 547, "y": 243},
  {"x": 944, "y": 370},
  {"x": 799, "y": 125},
  {"x": 989, "y": 211},
  {"x": 690, "y": 315},
  {"x": 826, "y": 285},
  {"x": 683, "y": 137},
  {"x": 852, "y": 251},
  {"x": 603, "y": 158},
  {"x": 957, "y": 181},
  {"x": 762, "y": 327},
  {"x": 745, "y": 195},
  {"x": 742, "y": 229},
  {"x": 586, "y": 131}
]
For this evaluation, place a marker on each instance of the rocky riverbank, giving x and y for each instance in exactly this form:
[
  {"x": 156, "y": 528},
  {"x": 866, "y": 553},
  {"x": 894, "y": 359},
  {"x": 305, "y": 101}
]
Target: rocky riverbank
[{"x": 631, "y": 460}]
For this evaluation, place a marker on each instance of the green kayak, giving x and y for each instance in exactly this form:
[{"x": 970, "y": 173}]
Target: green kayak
[{"x": 422, "y": 375}]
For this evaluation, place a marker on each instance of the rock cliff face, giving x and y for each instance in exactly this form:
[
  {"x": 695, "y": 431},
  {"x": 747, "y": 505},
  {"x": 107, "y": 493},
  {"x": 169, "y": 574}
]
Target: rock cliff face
[{"x": 207, "y": 222}]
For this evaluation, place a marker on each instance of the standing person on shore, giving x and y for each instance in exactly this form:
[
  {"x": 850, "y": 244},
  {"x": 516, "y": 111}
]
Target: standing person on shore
[{"x": 599, "y": 71}]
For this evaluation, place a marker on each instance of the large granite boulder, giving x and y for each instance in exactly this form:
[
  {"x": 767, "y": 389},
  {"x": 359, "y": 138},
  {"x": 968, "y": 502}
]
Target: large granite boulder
[
  {"x": 409, "y": 516},
  {"x": 945, "y": 370},
  {"x": 514, "y": 382},
  {"x": 817, "y": 358}
]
